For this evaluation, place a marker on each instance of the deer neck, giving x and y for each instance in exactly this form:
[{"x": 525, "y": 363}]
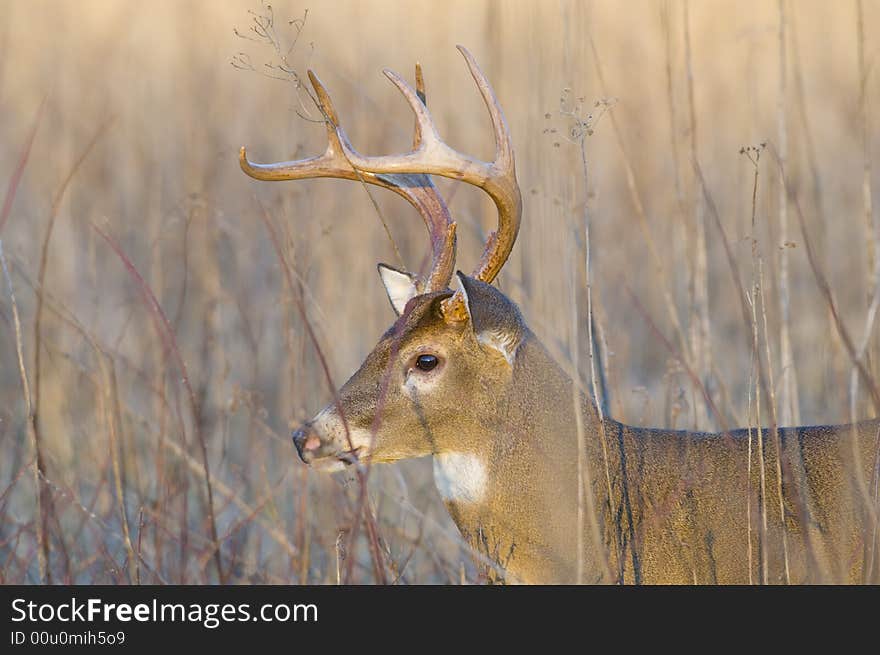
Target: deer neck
[{"x": 513, "y": 496}]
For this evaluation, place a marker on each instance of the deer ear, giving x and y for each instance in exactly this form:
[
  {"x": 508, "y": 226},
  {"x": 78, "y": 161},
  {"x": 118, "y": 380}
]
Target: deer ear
[
  {"x": 495, "y": 319},
  {"x": 399, "y": 285}
]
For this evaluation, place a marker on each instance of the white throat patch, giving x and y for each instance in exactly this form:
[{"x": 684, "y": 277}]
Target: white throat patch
[{"x": 460, "y": 477}]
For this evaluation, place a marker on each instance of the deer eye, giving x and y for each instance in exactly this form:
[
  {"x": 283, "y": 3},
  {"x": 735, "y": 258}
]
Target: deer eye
[{"x": 427, "y": 362}]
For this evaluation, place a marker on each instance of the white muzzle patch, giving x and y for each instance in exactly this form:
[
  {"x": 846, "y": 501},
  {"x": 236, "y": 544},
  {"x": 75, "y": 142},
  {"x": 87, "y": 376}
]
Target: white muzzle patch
[
  {"x": 332, "y": 431},
  {"x": 460, "y": 477}
]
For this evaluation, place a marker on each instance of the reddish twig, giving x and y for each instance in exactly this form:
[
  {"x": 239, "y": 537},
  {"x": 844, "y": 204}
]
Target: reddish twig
[
  {"x": 22, "y": 162},
  {"x": 166, "y": 334}
]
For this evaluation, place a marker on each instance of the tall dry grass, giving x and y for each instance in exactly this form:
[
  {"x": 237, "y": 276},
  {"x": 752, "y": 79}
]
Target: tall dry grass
[{"x": 176, "y": 317}]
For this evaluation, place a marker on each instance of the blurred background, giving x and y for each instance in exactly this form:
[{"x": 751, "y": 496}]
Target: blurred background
[{"x": 121, "y": 128}]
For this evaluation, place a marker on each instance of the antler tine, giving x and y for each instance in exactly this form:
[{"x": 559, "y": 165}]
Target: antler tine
[
  {"x": 507, "y": 196},
  {"x": 336, "y": 162},
  {"x": 433, "y": 156},
  {"x": 420, "y": 91},
  {"x": 330, "y": 164},
  {"x": 443, "y": 245},
  {"x": 503, "y": 145}
]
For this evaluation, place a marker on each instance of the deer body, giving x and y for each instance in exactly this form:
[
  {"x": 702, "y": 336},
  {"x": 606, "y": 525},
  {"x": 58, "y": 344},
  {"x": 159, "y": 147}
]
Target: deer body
[
  {"x": 688, "y": 493},
  {"x": 460, "y": 377},
  {"x": 683, "y": 506}
]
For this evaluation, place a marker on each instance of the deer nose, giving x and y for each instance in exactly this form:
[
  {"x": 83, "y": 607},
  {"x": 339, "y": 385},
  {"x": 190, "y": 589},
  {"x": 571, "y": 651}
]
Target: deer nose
[{"x": 306, "y": 442}]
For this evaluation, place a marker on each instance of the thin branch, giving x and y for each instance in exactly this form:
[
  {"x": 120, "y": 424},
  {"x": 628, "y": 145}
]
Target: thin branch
[
  {"x": 42, "y": 541},
  {"x": 12, "y": 188},
  {"x": 166, "y": 333}
]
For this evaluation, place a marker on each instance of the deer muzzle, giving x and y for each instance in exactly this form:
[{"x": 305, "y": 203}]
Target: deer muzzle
[
  {"x": 324, "y": 444},
  {"x": 307, "y": 442}
]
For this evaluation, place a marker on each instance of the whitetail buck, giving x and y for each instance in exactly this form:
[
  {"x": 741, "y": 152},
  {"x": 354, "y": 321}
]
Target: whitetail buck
[{"x": 460, "y": 377}]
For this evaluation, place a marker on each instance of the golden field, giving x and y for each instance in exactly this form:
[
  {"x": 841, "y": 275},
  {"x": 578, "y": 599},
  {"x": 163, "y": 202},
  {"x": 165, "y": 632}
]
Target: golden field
[{"x": 131, "y": 189}]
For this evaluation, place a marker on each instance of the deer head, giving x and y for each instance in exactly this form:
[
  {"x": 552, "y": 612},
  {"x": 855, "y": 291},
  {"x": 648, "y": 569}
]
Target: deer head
[
  {"x": 458, "y": 376},
  {"x": 405, "y": 400}
]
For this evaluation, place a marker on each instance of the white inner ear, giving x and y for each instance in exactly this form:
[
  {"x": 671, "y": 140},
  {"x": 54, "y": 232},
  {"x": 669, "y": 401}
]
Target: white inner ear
[
  {"x": 399, "y": 286},
  {"x": 500, "y": 340}
]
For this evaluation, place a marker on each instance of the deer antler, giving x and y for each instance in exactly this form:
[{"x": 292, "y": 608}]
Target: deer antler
[
  {"x": 434, "y": 157},
  {"x": 407, "y": 174},
  {"x": 417, "y": 188}
]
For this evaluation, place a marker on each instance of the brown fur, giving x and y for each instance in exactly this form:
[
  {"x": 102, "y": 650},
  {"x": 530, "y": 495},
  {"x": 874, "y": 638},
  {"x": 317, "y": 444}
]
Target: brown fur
[{"x": 678, "y": 503}]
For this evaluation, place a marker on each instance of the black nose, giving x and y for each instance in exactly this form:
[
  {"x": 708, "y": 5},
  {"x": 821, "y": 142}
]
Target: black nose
[
  {"x": 299, "y": 438},
  {"x": 306, "y": 442}
]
